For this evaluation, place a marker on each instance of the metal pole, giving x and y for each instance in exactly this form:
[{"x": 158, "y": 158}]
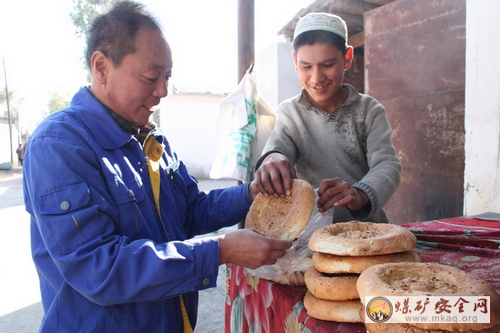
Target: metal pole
[
  {"x": 246, "y": 44},
  {"x": 246, "y": 36},
  {"x": 8, "y": 111}
]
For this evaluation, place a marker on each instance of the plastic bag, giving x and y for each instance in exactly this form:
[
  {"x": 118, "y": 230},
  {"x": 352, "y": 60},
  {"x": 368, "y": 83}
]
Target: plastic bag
[
  {"x": 293, "y": 259},
  {"x": 244, "y": 123}
]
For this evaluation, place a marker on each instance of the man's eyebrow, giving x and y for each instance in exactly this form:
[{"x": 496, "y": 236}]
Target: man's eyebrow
[
  {"x": 160, "y": 67},
  {"x": 153, "y": 66},
  {"x": 329, "y": 60},
  {"x": 322, "y": 62}
]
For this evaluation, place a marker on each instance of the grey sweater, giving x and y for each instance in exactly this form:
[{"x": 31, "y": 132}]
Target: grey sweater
[{"x": 353, "y": 143}]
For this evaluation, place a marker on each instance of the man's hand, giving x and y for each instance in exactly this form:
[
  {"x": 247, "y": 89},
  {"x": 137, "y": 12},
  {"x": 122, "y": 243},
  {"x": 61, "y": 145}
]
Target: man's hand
[
  {"x": 335, "y": 193},
  {"x": 248, "y": 248},
  {"x": 274, "y": 176}
]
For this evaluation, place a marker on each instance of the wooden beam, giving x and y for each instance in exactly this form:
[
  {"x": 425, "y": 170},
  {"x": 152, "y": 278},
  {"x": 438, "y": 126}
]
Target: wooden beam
[
  {"x": 379, "y": 2},
  {"x": 355, "y": 7},
  {"x": 357, "y": 40}
]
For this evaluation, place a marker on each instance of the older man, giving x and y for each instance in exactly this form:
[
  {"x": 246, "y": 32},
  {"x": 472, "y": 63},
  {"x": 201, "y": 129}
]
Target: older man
[{"x": 114, "y": 210}]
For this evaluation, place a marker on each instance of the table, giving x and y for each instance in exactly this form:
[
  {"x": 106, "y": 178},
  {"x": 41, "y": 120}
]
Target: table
[{"x": 258, "y": 305}]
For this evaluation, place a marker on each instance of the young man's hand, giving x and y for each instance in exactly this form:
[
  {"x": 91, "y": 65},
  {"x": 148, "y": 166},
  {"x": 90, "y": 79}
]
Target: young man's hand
[
  {"x": 335, "y": 192},
  {"x": 274, "y": 176}
]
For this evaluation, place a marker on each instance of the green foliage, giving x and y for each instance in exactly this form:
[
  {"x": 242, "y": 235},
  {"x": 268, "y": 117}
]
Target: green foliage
[
  {"x": 57, "y": 102},
  {"x": 84, "y": 12},
  {"x": 14, "y": 104},
  {"x": 2, "y": 96}
]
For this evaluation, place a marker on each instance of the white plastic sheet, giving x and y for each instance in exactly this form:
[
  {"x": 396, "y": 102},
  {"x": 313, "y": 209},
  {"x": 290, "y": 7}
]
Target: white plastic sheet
[{"x": 244, "y": 123}]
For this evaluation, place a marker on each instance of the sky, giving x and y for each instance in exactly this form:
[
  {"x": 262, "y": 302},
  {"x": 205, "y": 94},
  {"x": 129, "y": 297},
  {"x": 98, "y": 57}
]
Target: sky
[{"x": 42, "y": 53}]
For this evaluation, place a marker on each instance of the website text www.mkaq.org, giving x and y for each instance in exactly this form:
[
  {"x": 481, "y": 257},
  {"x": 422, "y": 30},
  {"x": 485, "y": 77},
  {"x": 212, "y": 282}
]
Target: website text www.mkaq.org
[{"x": 440, "y": 319}]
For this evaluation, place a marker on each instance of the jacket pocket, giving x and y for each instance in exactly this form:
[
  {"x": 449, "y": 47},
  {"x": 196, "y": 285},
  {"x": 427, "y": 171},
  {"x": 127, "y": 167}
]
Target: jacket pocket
[
  {"x": 126, "y": 190},
  {"x": 65, "y": 200},
  {"x": 68, "y": 218},
  {"x": 128, "y": 195}
]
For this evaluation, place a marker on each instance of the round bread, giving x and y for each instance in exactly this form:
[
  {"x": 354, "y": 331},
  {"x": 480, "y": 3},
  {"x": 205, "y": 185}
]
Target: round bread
[
  {"x": 428, "y": 279},
  {"x": 338, "y": 311},
  {"x": 332, "y": 264},
  {"x": 408, "y": 328},
  {"x": 282, "y": 218},
  {"x": 331, "y": 287},
  {"x": 295, "y": 276},
  {"x": 356, "y": 238}
]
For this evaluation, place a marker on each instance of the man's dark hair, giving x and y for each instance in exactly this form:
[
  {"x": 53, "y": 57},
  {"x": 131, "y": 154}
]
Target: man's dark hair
[
  {"x": 320, "y": 36},
  {"x": 114, "y": 33}
]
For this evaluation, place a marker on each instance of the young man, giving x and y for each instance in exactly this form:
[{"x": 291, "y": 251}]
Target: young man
[
  {"x": 113, "y": 213},
  {"x": 330, "y": 135}
]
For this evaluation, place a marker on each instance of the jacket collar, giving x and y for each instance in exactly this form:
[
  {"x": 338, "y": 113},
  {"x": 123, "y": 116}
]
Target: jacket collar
[{"x": 103, "y": 127}]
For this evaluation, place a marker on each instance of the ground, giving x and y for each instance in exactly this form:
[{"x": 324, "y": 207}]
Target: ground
[{"x": 8, "y": 173}]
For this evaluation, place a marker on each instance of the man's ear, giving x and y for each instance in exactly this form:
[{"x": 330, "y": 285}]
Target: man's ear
[
  {"x": 99, "y": 66},
  {"x": 349, "y": 56}
]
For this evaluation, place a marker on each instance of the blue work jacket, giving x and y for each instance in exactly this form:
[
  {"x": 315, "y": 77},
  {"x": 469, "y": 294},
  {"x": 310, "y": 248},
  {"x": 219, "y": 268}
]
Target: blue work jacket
[{"x": 107, "y": 261}]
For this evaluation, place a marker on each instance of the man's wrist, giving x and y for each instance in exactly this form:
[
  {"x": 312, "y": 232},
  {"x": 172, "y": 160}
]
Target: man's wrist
[
  {"x": 222, "y": 259},
  {"x": 264, "y": 156}
]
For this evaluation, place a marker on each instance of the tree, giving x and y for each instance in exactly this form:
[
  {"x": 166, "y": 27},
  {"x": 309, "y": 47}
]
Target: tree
[
  {"x": 14, "y": 104},
  {"x": 57, "y": 102},
  {"x": 84, "y": 12},
  {"x": 2, "y": 96}
]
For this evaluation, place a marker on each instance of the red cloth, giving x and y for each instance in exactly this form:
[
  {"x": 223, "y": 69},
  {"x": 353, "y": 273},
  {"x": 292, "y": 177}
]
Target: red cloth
[
  {"x": 259, "y": 305},
  {"x": 459, "y": 226},
  {"x": 470, "y": 244}
]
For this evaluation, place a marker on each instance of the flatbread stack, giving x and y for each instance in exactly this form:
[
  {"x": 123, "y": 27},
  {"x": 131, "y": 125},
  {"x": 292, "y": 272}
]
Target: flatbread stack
[
  {"x": 342, "y": 251},
  {"x": 285, "y": 218}
]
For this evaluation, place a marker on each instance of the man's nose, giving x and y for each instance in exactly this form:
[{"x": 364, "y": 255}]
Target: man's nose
[
  {"x": 317, "y": 74},
  {"x": 161, "y": 89}
]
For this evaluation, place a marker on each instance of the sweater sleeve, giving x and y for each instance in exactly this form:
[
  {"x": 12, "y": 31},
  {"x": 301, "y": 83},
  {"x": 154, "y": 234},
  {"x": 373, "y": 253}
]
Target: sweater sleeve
[
  {"x": 384, "y": 174},
  {"x": 281, "y": 140}
]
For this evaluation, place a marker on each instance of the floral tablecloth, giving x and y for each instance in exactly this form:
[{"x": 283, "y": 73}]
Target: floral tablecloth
[{"x": 257, "y": 305}]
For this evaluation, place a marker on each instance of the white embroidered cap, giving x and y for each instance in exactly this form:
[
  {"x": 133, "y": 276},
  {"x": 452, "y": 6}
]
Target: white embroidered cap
[{"x": 321, "y": 21}]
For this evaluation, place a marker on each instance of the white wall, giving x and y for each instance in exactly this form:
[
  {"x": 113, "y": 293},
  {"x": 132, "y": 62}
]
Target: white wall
[
  {"x": 275, "y": 73},
  {"x": 482, "y": 108},
  {"x": 189, "y": 122},
  {"x": 5, "y": 150}
]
